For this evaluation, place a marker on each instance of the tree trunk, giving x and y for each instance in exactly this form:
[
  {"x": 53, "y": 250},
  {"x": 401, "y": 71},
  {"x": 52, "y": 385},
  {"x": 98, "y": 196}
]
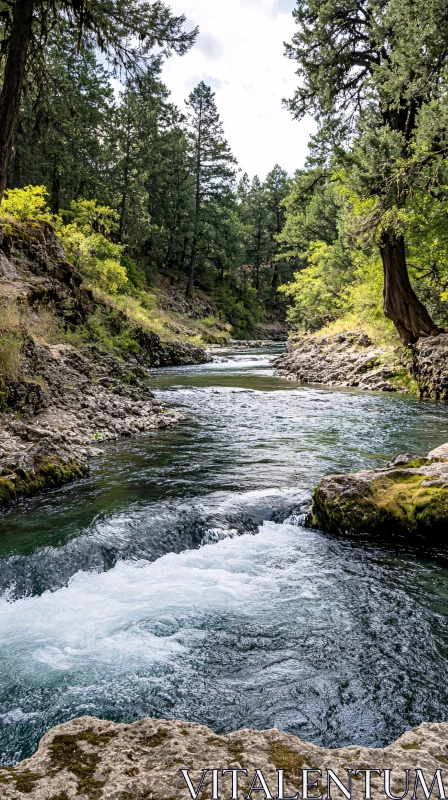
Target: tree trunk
[
  {"x": 13, "y": 82},
  {"x": 400, "y": 303},
  {"x": 193, "y": 259},
  {"x": 56, "y": 191}
]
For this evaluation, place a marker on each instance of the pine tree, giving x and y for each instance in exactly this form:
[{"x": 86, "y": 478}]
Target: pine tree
[
  {"x": 377, "y": 66},
  {"x": 212, "y": 166},
  {"x": 126, "y": 31},
  {"x": 277, "y": 187}
]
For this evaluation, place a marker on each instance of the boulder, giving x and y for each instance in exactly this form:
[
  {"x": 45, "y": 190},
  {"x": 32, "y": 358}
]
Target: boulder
[{"x": 408, "y": 497}]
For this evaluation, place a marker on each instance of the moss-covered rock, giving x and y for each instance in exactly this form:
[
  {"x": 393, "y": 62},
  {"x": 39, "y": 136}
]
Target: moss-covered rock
[
  {"x": 408, "y": 497},
  {"x": 93, "y": 759},
  {"x": 48, "y": 472}
]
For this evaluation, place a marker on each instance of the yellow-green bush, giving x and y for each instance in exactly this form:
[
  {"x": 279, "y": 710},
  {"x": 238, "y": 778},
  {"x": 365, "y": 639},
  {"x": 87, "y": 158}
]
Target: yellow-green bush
[{"x": 27, "y": 203}]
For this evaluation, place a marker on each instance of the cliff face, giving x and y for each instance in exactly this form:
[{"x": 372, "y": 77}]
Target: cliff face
[
  {"x": 94, "y": 759},
  {"x": 58, "y": 399}
]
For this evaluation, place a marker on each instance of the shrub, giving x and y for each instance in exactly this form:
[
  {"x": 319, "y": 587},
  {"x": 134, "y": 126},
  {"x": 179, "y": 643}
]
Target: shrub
[{"x": 30, "y": 202}]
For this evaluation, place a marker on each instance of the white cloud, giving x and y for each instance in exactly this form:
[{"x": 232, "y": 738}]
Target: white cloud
[{"x": 240, "y": 54}]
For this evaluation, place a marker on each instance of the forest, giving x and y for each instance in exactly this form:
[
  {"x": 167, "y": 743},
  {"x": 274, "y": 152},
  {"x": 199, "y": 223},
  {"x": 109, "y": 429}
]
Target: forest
[{"x": 138, "y": 188}]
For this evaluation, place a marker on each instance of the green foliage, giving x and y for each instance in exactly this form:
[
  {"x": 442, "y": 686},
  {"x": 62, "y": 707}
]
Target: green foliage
[
  {"x": 27, "y": 203},
  {"x": 375, "y": 76},
  {"x": 242, "y": 308},
  {"x": 320, "y": 291},
  {"x": 96, "y": 256}
]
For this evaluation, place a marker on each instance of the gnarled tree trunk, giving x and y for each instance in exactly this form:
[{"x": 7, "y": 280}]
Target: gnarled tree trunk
[
  {"x": 13, "y": 82},
  {"x": 400, "y": 303}
]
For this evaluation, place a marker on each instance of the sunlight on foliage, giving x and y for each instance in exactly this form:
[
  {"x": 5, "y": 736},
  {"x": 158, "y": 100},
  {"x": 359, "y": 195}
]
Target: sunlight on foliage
[{"x": 27, "y": 203}]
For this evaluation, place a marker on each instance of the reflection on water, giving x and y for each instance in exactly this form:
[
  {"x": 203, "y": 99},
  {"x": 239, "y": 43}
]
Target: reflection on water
[{"x": 174, "y": 582}]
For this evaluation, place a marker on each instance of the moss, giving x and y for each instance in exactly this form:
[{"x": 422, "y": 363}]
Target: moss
[
  {"x": 66, "y": 753},
  {"x": 50, "y": 472},
  {"x": 417, "y": 462},
  {"x": 24, "y": 780},
  {"x": 404, "y": 382},
  {"x": 411, "y": 746},
  {"x": 155, "y": 740},
  {"x": 289, "y": 760},
  {"x": 443, "y": 759},
  {"x": 395, "y": 502},
  {"x": 9, "y": 228},
  {"x": 235, "y": 750}
]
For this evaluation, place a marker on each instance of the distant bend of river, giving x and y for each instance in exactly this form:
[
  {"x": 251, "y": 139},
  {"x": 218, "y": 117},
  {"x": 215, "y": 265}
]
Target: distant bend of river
[{"x": 177, "y": 582}]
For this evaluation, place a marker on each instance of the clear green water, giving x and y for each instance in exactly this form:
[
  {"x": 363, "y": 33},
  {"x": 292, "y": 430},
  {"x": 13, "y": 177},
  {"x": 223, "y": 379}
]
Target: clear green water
[{"x": 177, "y": 581}]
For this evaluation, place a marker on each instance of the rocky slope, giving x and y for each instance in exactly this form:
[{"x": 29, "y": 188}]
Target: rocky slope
[
  {"x": 408, "y": 497},
  {"x": 57, "y": 400},
  {"x": 345, "y": 359},
  {"x": 93, "y": 759}
]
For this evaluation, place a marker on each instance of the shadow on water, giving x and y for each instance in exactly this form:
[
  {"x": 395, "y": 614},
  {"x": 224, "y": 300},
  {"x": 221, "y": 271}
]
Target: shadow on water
[{"x": 177, "y": 579}]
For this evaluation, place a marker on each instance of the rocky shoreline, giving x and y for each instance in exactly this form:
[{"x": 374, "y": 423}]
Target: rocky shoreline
[
  {"x": 95, "y": 759},
  {"x": 351, "y": 359},
  {"x": 59, "y": 401},
  {"x": 81, "y": 400},
  {"x": 344, "y": 359}
]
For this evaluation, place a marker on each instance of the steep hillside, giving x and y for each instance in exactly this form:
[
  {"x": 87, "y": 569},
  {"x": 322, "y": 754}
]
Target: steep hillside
[{"x": 73, "y": 366}]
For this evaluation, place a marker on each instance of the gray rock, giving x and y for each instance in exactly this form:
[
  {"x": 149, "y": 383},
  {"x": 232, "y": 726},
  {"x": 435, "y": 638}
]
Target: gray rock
[
  {"x": 430, "y": 366},
  {"x": 344, "y": 359},
  {"x": 92, "y": 758}
]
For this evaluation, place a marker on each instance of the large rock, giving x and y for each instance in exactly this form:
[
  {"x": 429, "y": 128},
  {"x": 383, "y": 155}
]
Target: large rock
[
  {"x": 430, "y": 366},
  {"x": 93, "y": 759},
  {"x": 345, "y": 359},
  {"x": 408, "y": 497},
  {"x": 86, "y": 398},
  {"x": 34, "y": 270}
]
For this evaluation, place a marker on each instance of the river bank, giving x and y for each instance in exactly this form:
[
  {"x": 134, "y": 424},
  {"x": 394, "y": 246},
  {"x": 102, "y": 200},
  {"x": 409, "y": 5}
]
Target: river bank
[
  {"x": 62, "y": 392},
  {"x": 177, "y": 579},
  {"x": 353, "y": 359}
]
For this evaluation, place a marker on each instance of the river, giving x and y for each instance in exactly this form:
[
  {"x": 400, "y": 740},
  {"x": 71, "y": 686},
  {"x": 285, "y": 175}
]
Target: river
[{"x": 177, "y": 580}]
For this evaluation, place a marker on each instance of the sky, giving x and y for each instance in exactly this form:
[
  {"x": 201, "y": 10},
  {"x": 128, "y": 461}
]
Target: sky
[{"x": 239, "y": 53}]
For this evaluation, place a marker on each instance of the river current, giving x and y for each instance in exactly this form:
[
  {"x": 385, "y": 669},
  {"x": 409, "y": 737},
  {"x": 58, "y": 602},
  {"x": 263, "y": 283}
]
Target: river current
[{"x": 177, "y": 580}]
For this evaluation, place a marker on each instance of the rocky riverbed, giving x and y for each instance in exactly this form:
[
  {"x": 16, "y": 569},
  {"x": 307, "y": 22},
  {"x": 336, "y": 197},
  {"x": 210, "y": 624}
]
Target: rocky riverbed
[{"x": 95, "y": 759}]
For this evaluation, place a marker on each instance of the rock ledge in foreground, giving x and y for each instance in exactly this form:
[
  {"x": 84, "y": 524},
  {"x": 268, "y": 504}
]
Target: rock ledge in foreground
[
  {"x": 94, "y": 759},
  {"x": 409, "y": 496}
]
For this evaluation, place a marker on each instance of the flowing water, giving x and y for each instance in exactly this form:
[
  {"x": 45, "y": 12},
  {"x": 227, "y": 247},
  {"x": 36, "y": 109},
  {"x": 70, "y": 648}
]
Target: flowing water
[{"x": 177, "y": 580}]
